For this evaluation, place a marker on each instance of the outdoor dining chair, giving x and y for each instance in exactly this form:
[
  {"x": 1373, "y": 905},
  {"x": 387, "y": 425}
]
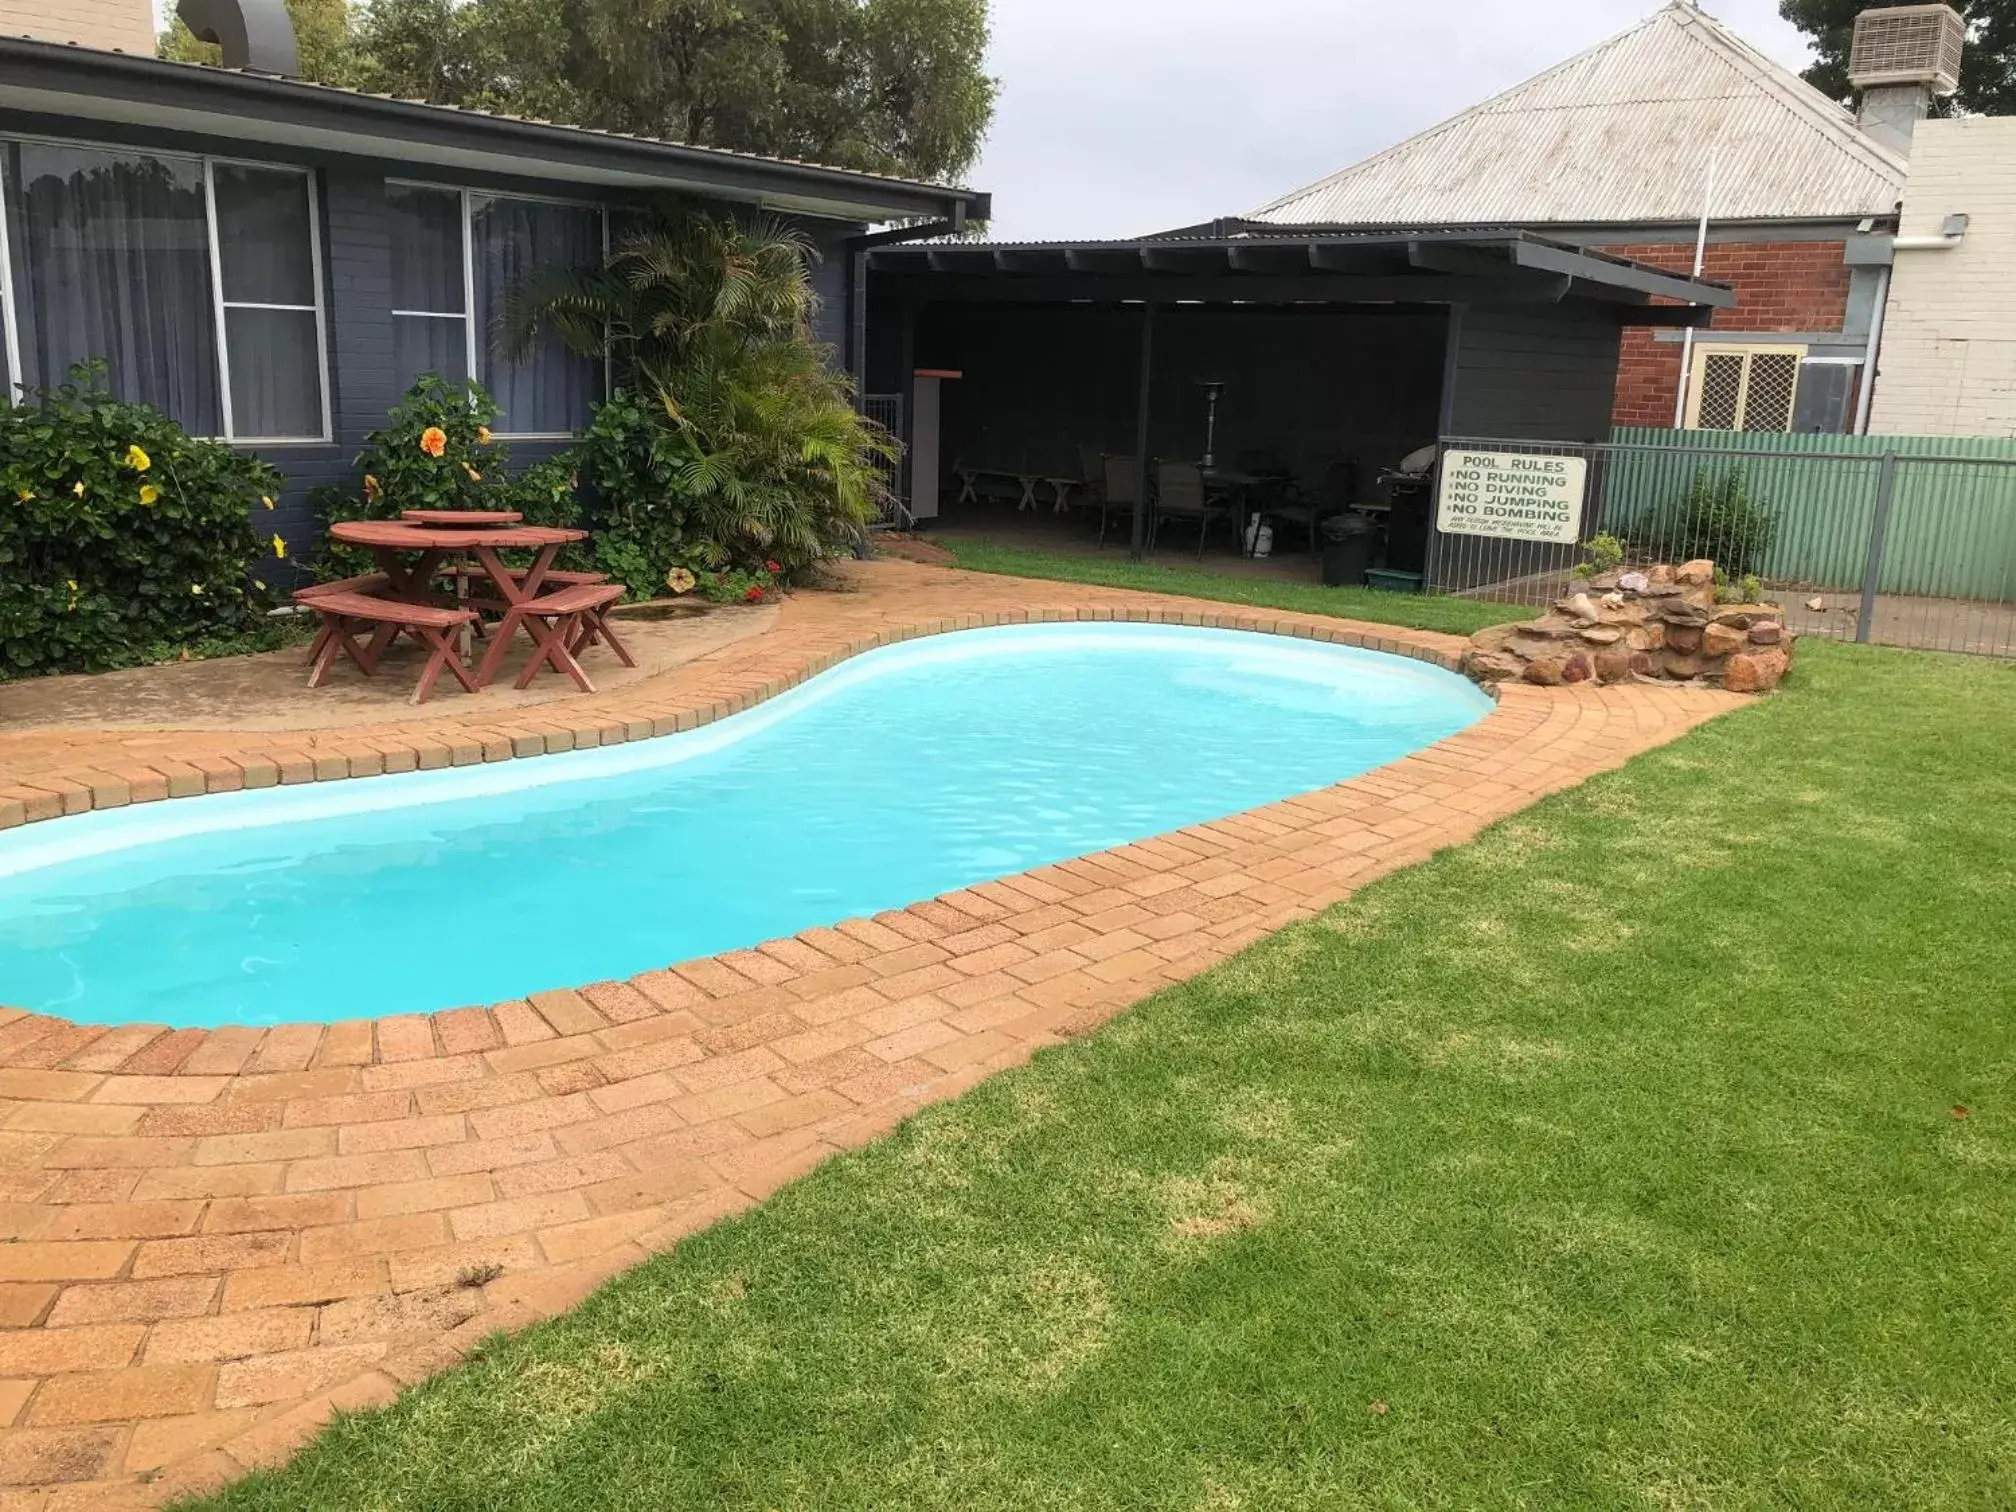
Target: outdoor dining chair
[
  {"x": 1180, "y": 495},
  {"x": 1117, "y": 497}
]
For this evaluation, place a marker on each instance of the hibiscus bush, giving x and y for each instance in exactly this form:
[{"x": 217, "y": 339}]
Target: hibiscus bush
[
  {"x": 123, "y": 539},
  {"x": 437, "y": 452}
]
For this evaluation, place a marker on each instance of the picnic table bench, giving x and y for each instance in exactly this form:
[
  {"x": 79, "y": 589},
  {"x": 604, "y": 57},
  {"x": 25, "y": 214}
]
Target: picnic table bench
[
  {"x": 343, "y": 610},
  {"x": 562, "y": 625}
]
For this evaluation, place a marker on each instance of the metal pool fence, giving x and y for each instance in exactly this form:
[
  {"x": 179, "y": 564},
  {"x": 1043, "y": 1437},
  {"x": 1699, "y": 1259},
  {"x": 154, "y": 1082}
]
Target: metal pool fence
[
  {"x": 886, "y": 410},
  {"x": 1897, "y": 540}
]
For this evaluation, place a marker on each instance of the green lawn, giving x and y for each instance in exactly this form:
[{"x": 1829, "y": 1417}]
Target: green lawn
[
  {"x": 1612, "y": 1161},
  {"x": 1115, "y": 570}
]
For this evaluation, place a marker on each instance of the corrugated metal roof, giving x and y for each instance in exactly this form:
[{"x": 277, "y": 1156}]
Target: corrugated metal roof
[
  {"x": 32, "y": 46},
  {"x": 1624, "y": 133}
]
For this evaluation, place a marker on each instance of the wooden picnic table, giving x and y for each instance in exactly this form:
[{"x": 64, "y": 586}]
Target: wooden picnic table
[{"x": 411, "y": 554}]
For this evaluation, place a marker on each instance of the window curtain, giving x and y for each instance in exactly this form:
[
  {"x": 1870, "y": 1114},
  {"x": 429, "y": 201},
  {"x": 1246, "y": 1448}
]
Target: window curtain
[
  {"x": 430, "y": 326},
  {"x": 265, "y": 245},
  {"x": 112, "y": 261},
  {"x": 550, "y": 389}
]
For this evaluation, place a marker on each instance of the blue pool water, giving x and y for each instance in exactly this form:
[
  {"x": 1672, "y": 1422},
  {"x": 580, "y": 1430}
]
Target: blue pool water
[{"x": 902, "y": 774}]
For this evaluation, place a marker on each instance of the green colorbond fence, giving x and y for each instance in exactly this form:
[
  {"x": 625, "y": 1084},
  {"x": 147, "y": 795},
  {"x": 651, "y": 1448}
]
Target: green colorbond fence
[{"x": 1952, "y": 526}]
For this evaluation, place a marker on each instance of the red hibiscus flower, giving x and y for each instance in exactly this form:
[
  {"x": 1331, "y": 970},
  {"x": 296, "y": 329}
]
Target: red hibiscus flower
[
  {"x": 754, "y": 595},
  {"x": 772, "y": 568}
]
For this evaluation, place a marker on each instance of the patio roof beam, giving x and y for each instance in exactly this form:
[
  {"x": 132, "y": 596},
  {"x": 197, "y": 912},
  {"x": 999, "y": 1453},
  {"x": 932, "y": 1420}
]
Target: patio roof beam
[
  {"x": 1108, "y": 260},
  {"x": 1444, "y": 257},
  {"x": 1337, "y": 257},
  {"x": 1031, "y": 260},
  {"x": 1185, "y": 259},
  {"x": 1269, "y": 259}
]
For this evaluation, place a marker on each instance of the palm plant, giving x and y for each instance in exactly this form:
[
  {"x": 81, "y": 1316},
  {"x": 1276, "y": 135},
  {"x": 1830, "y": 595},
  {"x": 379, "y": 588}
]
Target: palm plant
[{"x": 759, "y": 442}]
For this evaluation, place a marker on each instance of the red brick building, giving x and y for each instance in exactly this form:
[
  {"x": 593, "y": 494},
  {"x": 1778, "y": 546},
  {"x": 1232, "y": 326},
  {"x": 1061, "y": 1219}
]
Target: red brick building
[{"x": 1622, "y": 148}]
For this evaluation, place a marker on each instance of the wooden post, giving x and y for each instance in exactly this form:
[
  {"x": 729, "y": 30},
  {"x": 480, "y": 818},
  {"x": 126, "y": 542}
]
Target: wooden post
[{"x": 1141, "y": 431}]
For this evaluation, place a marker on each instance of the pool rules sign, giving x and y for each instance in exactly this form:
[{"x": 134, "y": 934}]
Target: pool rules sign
[{"x": 1516, "y": 496}]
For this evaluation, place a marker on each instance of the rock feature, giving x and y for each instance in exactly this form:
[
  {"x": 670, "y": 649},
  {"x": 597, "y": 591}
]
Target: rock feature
[{"x": 1654, "y": 624}]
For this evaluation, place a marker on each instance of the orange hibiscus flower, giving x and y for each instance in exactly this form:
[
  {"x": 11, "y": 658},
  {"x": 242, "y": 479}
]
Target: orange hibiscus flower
[{"x": 433, "y": 441}]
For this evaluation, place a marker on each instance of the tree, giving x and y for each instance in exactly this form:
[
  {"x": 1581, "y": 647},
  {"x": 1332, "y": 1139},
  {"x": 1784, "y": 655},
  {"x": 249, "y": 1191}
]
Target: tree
[
  {"x": 746, "y": 449},
  {"x": 321, "y": 34},
  {"x": 1988, "y": 70},
  {"x": 889, "y": 86}
]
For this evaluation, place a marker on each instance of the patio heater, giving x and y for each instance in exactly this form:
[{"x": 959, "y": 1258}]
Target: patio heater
[{"x": 1212, "y": 389}]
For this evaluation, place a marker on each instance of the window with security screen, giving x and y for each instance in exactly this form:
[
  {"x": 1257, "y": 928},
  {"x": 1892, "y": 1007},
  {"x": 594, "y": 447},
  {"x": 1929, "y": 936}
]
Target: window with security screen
[{"x": 1744, "y": 388}]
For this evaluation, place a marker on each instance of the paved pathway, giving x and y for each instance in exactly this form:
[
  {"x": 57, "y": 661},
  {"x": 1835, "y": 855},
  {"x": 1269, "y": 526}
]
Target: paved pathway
[{"x": 216, "y": 1238}]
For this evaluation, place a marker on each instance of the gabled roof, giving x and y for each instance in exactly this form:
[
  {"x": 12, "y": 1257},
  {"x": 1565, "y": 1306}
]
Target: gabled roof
[
  {"x": 70, "y": 82},
  {"x": 1624, "y": 133}
]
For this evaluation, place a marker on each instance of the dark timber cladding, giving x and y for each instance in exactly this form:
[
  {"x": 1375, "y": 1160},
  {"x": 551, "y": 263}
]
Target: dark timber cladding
[{"x": 1524, "y": 331}]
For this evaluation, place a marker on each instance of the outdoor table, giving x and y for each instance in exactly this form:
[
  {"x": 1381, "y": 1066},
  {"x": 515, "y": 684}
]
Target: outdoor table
[
  {"x": 409, "y": 556},
  {"x": 461, "y": 519}
]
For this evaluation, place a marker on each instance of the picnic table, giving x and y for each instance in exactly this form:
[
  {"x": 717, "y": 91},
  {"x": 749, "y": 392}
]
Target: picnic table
[{"x": 411, "y": 553}]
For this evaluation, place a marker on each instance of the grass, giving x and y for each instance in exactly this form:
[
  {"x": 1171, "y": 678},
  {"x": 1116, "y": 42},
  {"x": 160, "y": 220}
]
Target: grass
[
  {"x": 1114, "y": 569},
  {"x": 1613, "y": 1161}
]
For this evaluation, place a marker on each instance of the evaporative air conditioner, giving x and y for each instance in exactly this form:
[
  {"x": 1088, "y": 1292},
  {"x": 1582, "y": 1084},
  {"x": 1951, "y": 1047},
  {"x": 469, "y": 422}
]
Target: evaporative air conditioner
[{"x": 1908, "y": 44}]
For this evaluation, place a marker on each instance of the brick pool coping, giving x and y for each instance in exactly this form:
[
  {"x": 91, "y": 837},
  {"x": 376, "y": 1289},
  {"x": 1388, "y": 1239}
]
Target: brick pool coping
[{"x": 218, "y": 1238}]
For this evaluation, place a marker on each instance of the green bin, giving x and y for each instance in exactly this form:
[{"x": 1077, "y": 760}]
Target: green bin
[{"x": 1386, "y": 580}]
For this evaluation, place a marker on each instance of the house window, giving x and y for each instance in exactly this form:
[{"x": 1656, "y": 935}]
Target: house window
[
  {"x": 196, "y": 280},
  {"x": 456, "y": 257},
  {"x": 430, "y": 308},
  {"x": 1744, "y": 388}
]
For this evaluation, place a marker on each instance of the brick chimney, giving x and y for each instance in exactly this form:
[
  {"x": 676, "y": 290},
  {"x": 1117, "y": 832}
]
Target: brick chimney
[
  {"x": 1902, "y": 59},
  {"x": 124, "y": 24}
]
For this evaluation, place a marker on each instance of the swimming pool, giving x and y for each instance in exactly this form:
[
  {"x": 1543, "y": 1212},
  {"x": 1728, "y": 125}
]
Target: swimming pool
[{"x": 904, "y": 773}]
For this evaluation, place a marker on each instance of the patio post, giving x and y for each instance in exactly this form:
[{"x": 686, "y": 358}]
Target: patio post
[{"x": 1139, "y": 549}]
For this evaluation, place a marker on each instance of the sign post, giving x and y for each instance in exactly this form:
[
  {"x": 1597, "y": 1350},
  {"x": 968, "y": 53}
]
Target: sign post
[{"x": 1511, "y": 496}]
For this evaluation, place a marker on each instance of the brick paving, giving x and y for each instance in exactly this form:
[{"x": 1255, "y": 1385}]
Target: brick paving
[{"x": 215, "y": 1239}]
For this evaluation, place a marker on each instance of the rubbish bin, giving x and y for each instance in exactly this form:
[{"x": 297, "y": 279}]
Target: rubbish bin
[{"x": 1347, "y": 549}]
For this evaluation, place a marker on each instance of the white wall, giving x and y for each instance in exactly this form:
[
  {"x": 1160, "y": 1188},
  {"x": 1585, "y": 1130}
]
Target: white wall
[
  {"x": 126, "y": 24},
  {"x": 1948, "y": 364}
]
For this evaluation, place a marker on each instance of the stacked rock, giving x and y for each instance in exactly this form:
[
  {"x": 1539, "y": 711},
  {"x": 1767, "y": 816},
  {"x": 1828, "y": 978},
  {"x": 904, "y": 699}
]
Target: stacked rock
[{"x": 1658, "y": 624}]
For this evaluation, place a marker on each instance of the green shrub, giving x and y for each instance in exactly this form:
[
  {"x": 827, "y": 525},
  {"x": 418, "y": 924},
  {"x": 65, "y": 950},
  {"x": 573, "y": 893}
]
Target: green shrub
[
  {"x": 1601, "y": 553},
  {"x": 436, "y": 452},
  {"x": 630, "y": 464},
  {"x": 734, "y": 443},
  {"x": 1718, "y": 521},
  {"x": 122, "y": 539}
]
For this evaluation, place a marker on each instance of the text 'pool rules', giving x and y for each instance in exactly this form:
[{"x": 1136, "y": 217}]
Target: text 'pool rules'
[{"x": 1517, "y": 496}]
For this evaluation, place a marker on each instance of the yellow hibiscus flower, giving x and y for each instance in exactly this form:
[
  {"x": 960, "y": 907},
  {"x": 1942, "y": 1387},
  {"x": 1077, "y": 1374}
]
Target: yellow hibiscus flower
[
  {"x": 77, "y": 488},
  {"x": 149, "y": 494},
  {"x": 267, "y": 500},
  {"x": 482, "y": 435},
  {"x": 679, "y": 580},
  {"x": 474, "y": 476},
  {"x": 279, "y": 546},
  {"x": 137, "y": 459}
]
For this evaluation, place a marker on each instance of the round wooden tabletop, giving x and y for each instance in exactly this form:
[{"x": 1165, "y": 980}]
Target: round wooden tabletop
[
  {"x": 461, "y": 519},
  {"x": 397, "y": 535}
]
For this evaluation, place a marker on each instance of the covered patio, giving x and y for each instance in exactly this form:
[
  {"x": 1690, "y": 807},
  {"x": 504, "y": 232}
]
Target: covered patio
[{"x": 1177, "y": 392}]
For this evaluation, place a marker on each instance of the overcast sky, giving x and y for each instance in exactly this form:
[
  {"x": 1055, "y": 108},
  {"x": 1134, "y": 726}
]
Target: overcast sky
[{"x": 1118, "y": 117}]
